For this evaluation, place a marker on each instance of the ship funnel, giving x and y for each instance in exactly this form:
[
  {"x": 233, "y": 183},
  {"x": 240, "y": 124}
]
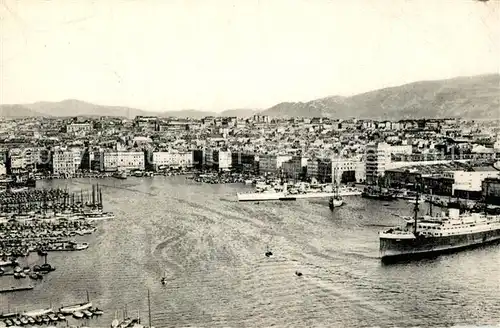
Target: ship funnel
[{"x": 454, "y": 213}]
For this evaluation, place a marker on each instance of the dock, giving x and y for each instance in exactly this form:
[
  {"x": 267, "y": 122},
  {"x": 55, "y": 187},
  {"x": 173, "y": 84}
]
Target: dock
[
  {"x": 281, "y": 196},
  {"x": 16, "y": 289}
]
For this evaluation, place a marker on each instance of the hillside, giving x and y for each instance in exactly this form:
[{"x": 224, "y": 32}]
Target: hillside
[
  {"x": 72, "y": 107},
  {"x": 468, "y": 97},
  {"x": 18, "y": 111},
  {"x": 476, "y": 97}
]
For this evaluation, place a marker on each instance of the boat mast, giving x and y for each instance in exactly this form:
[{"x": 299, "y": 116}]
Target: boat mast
[
  {"x": 416, "y": 213},
  {"x": 486, "y": 200},
  {"x": 430, "y": 204},
  {"x": 149, "y": 310}
]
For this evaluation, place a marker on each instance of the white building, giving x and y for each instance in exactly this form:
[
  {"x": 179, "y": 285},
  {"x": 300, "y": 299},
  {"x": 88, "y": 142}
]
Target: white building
[
  {"x": 222, "y": 159},
  {"x": 3, "y": 169},
  {"x": 122, "y": 160},
  {"x": 172, "y": 159},
  {"x": 470, "y": 181},
  {"x": 378, "y": 157},
  {"x": 354, "y": 165},
  {"x": 66, "y": 161}
]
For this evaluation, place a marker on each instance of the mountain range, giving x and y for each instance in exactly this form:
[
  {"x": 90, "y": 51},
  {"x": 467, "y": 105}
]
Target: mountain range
[{"x": 476, "y": 97}]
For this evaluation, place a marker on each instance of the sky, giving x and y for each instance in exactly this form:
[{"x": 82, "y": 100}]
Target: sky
[{"x": 218, "y": 54}]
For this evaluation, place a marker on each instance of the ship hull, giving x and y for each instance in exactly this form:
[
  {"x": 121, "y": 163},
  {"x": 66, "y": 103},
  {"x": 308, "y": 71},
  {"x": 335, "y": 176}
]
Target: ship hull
[
  {"x": 394, "y": 250},
  {"x": 253, "y": 197}
]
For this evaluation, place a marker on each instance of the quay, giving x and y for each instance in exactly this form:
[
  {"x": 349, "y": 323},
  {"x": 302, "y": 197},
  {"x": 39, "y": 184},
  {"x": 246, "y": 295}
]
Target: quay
[
  {"x": 16, "y": 289},
  {"x": 281, "y": 196}
]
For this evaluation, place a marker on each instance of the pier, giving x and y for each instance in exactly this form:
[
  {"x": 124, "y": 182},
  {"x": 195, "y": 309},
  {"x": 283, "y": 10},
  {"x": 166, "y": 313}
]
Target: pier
[{"x": 15, "y": 289}]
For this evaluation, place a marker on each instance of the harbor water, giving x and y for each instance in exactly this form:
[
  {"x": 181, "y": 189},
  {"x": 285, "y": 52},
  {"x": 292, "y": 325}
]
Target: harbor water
[{"x": 211, "y": 249}]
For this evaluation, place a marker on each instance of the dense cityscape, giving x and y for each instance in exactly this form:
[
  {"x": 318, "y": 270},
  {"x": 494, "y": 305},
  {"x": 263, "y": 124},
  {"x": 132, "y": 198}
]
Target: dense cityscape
[
  {"x": 451, "y": 156},
  {"x": 249, "y": 164}
]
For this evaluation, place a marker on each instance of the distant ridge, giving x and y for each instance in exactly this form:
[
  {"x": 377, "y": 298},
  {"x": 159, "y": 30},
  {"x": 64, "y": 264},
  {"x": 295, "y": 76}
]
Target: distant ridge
[
  {"x": 73, "y": 107},
  {"x": 475, "y": 97}
]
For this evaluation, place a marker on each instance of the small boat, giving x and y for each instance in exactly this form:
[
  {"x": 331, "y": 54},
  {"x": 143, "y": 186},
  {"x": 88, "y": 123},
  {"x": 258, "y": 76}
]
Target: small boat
[
  {"x": 42, "y": 252},
  {"x": 98, "y": 311},
  {"x": 78, "y": 314},
  {"x": 34, "y": 276},
  {"x": 8, "y": 323},
  {"x": 120, "y": 175},
  {"x": 74, "y": 308},
  {"x": 53, "y": 317},
  {"x": 125, "y": 323},
  {"x": 24, "y": 320},
  {"x": 81, "y": 246},
  {"x": 16, "y": 321},
  {"x": 39, "y": 320},
  {"x": 412, "y": 201},
  {"x": 298, "y": 273},
  {"x": 336, "y": 201},
  {"x": 31, "y": 320},
  {"x": 61, "y": 316},
  {"x": 87, "y": 313},
  {"x": 45, "y": 319},
  {"x": 7, "y": 263}
]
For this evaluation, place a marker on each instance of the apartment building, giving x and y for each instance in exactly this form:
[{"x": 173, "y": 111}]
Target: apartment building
[
  {"x": 222, "y": 160},
  {"x": 174, "y": 159},
  {"x": 271, "y": 164},
  {"x": 122, "y": 160},
  {"x": 295, "y": 168},
  {"x": 66, "y": 161}
]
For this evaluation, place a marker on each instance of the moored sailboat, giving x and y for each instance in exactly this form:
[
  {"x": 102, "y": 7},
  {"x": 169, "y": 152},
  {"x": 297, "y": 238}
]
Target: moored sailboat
[
  {"x": 71, "y": 309},
  {"x": 336, "y": 200}
]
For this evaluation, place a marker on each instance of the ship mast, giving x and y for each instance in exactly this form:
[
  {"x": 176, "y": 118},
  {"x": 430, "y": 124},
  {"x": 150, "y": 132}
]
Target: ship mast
[
  {"x": 486, "y": 200},
  {"x": 416, "y": 213},
  {"x": 149, "y": 309},
  {"x": 430, "y": 204}
]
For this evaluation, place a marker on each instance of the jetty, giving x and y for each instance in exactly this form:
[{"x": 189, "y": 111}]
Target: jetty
[
  {"x": 15, "y": 289},
  {"x": 285, "y": 195}
]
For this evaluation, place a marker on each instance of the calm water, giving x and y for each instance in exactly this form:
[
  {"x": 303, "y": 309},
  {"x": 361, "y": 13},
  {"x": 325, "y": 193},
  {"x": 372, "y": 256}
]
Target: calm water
[{"x": 212, "y": 249}]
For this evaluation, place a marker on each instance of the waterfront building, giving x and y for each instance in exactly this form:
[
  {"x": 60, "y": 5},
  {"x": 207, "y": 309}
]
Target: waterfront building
[
  {"x": 172, "y": 159},
  {"x": 26, "y": 159},
  {"x": 468, "y": 184},
  {"x": 271, "y": 164},
  {"x": 3, "y": 169},
  {"x": 377, "y": 158},
  {"x": 313, "y": 168},
  {"x": 295, "y": 168},
  {"x": 244, "y": 162},
  {"x": 491, "y": 190},
  {"x": 65, "y": 161},
  {"x": 198, "y": 159},
  {"x": 122, "y": 160},
  {"x": 222, "y": 160},
  {"x": 349, "y": 169}
]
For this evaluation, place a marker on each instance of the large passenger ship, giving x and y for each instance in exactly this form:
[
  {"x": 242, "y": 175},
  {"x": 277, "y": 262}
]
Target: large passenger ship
[{"x": 431, "y": 235}]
